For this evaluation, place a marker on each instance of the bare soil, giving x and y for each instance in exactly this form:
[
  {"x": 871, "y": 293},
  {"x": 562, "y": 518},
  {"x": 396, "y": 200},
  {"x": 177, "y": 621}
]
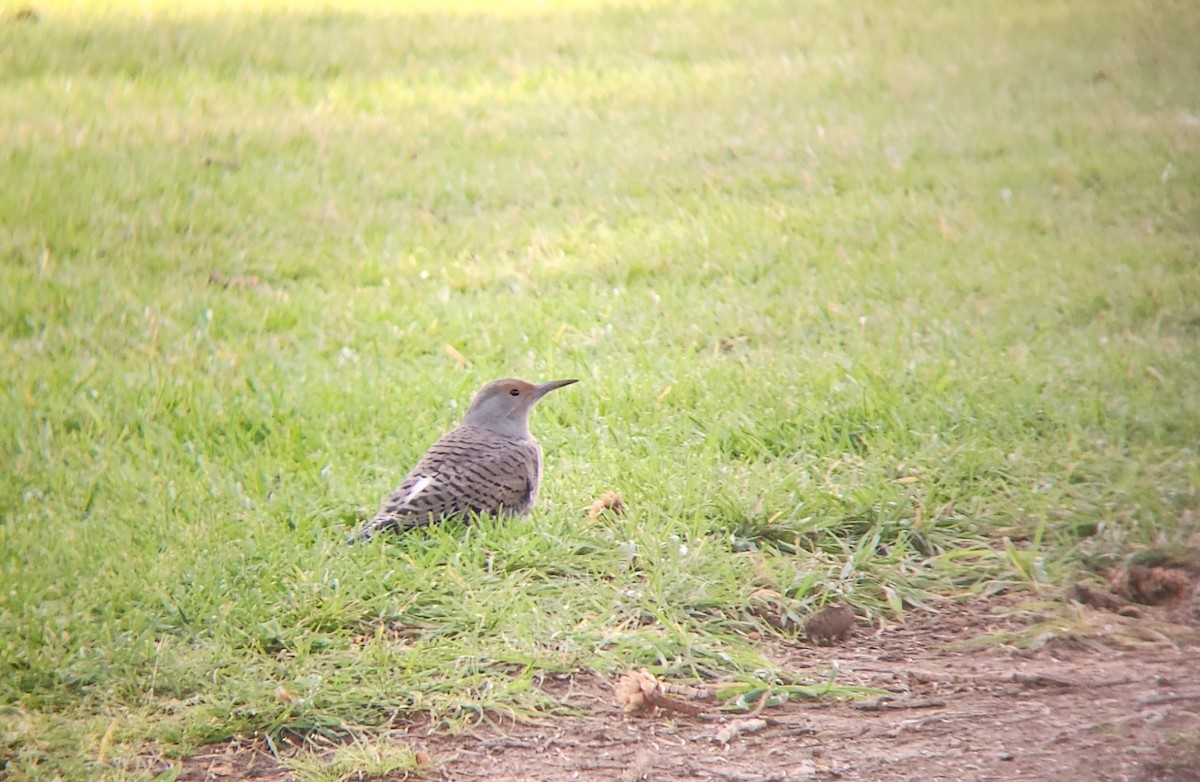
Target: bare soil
[{"x": 1107, "y": 697}]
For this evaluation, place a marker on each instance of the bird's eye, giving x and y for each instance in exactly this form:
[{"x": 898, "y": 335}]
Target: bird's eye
[{"x": 515, "y": 392}]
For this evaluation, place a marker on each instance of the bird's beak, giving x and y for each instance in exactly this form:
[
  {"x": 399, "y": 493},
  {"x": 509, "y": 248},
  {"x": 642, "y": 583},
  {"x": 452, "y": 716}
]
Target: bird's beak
[{"x": 546, "y": 388}]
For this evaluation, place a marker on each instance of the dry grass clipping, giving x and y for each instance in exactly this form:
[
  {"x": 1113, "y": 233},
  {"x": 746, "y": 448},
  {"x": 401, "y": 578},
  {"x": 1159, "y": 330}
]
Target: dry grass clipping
[
  {"x": 638, "y": 692},
  {"x": 611, "y": 502}
]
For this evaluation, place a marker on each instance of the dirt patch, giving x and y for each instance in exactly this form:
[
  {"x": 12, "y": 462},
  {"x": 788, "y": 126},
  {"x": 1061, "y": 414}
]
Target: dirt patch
[{"x": 1109, "y": 698}]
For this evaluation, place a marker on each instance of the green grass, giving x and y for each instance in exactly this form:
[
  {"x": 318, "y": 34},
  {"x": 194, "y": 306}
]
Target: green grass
[{"x": 876, "y": 300}]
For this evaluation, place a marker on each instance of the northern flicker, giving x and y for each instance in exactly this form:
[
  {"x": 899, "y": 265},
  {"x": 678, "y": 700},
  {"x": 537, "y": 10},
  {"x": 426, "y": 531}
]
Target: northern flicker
[{"x": 490, "y": 464}]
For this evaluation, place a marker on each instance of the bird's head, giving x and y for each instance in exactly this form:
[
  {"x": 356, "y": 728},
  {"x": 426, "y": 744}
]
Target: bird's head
[{"x": 503, "y": 405}]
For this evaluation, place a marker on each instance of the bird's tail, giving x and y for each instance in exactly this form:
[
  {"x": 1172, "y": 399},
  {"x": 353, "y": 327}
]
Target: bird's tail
[
  {"x": 369, "y": 530},
  {"x": 386, "y": 522}
]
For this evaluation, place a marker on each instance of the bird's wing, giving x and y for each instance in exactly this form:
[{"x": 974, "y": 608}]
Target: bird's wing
[{"x": 469, "y": 470}]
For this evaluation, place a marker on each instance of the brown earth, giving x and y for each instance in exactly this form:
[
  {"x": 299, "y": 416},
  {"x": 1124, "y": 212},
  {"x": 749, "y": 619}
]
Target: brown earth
[{"x": 1099, "y": 696}]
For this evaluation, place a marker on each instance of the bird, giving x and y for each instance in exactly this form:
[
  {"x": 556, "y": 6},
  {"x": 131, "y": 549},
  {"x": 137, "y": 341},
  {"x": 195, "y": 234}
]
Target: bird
[{"x": 488, "y": 465}]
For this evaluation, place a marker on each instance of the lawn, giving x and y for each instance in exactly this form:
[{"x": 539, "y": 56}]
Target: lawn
[{"x": 868, "y": 301}]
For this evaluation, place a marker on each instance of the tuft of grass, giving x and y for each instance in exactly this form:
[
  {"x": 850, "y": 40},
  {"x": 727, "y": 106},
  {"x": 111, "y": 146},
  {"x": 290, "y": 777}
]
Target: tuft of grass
[
  {"x": 359, "y": 761},
  {"x": 1079, "y": 626},
  {"x": 869, "y": 303}
]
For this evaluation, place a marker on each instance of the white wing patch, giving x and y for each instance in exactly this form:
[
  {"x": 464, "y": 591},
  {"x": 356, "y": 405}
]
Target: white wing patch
[{"x": 417, "y": 488}]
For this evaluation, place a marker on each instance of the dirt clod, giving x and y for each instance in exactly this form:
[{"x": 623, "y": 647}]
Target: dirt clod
[
  {"x": 832, "y": 624},
  {"x": 1151, "y": 585}
]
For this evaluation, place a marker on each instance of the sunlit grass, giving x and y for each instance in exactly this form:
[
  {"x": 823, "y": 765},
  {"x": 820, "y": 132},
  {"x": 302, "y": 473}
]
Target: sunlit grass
[{"x": 869, "y": 303}]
